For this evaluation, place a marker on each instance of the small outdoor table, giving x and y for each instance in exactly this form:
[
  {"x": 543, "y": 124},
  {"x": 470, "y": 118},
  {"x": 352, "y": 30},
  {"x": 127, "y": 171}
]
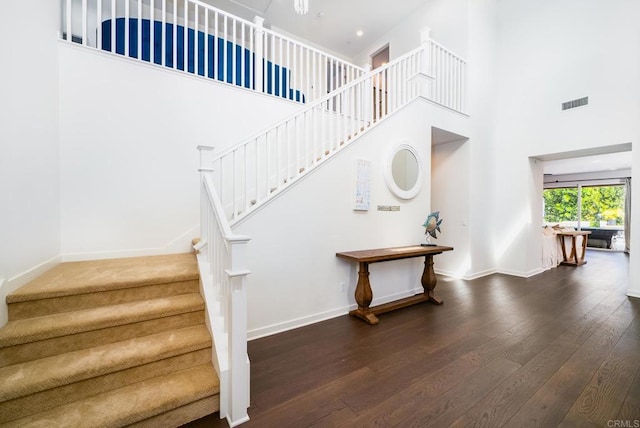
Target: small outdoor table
[{"x": 574, "y": 259}]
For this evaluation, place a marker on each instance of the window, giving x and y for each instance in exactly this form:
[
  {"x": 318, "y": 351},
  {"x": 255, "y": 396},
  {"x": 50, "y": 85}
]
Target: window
[
  {"x": 602, "y": 206},
  {"x": 561, "y": 206}
]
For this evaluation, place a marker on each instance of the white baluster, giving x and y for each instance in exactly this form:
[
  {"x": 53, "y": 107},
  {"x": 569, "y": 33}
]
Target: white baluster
[
  {"x": 225, "y": 36},
  {"x": 139, "y": 39},
  {"x": 99, "y": 26},
  {"x": 175, "y": 34},
  {"x": 207, "y": 68},
  {"x": 126, "y": 28},
  {"x": 234, "y": 66},
  {"x": 216, "y": 47},
  {"x": 163, "y": 34},
  {"x": 152, "y": 35},
  {"x": 280, "y": 79},
  {"x": 258, "y": 64},
  {"x": 196, "y": 40},
  {"x": 84, "y": 22},
  {"x": 273, "y": 56},
  {"x": 243, "y": 80},
  {"x": 113, "y": 26},
  {"x": 185, "y": 37},
  {"x": 252, "y": 61}
]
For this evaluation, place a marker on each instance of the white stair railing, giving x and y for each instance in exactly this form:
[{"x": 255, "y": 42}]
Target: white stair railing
[
  {"x": 223, "y": 272},
  {"x": 449, "y": 72},
  {"x": 260, "y": 167},
  {"x": 194, "y": 37}
]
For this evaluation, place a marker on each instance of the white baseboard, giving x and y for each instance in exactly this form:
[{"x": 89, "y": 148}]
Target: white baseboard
[
  {"x": 480, "y": 274},
  {"x": 447, "y": 273},
  {"x": 633, "y": 293},
  {"x": 520, "y": 273},
  {"x": 296, "y": 323},
  {"x": 30, "y": 274},
  {"x": 322, "y": 316},
  {"x": 4, "y": 309},
  {"x": 17, "y": 281},
  {"x": 116, "y": 254},
  {"x": 181, "y": 244},
  {"x": 466, "y": 276}
]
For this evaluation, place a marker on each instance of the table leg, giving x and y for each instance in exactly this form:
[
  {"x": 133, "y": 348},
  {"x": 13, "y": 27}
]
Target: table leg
[
  {"x": 584, "y": 248},
  {"x": 574, "y": 250},
  {"x": 564, "y": 251},
  {"x": 364, "y": 296},
  {"x": 429, "y": 280}
]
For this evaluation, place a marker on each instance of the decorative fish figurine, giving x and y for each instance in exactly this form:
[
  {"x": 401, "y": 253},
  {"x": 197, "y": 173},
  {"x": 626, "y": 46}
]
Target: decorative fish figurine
[{"x": 432, "y": 224}]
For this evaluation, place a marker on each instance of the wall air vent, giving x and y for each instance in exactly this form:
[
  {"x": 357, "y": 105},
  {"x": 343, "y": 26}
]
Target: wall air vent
[{"x": 575, "y": 103}]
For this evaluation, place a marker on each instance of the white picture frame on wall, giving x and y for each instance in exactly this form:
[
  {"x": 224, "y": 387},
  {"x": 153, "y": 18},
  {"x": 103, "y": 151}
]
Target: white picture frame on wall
[{"x": 362, "y": 192}]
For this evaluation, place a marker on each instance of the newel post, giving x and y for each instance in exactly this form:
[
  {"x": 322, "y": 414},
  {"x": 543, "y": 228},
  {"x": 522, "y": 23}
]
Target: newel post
[
  {"x": 239, "y": 363},
  {"x": 258, "y": 64}
]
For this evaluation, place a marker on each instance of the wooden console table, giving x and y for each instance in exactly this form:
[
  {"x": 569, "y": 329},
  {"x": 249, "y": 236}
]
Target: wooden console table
[
  {"x": 363, "y": 293},
  {"x": 574, "y": 259}
]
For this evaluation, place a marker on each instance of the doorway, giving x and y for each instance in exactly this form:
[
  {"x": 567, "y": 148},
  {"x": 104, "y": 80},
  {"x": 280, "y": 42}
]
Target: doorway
[
  {"x": 589, "y": 190},
  {"x": 450, "y": 195}
]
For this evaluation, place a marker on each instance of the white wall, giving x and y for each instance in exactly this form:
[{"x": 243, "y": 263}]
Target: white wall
[
  {"x": 29, "y": 168},
  {"x": 447, "y": 20},
  {"x": 128, "y": 138},
  {"x": 295, "y": 276},
  {"x": 484, "y": 220},
  {"x": 549, "y": 53}
]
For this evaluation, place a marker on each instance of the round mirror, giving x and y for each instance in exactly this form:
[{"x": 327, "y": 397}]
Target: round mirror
[
  {"x": 404, "y": 172},
  {"x": 404, "y": 168}
]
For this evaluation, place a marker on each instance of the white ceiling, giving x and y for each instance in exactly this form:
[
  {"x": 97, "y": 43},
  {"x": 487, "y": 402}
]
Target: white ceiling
[
  {"x": 440, "y": 136},
  {"x": 597, "y": 163},
  {"x": 330, "y": 23}
]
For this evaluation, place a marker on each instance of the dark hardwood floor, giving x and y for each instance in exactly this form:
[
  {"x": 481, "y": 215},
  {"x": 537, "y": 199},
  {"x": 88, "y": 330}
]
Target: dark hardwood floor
[{"x": 558, "y": 349}]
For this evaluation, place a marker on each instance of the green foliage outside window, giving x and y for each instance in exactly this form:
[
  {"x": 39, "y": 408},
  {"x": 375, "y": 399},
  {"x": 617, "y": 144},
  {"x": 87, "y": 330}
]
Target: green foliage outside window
[{"x": 599, "y": 203}]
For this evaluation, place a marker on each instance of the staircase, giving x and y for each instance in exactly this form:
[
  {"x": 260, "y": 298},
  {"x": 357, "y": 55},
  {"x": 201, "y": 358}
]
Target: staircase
[{"x": 108, "y": 343}]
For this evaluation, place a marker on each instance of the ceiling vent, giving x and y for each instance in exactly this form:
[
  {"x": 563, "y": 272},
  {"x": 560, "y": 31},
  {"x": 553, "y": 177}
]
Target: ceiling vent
[{"x": 575, "y": 103}]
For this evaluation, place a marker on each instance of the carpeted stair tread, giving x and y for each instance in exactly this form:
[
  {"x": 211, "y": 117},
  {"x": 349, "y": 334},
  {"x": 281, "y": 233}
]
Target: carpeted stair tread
[
  {"x": 67, "y": 323},
  {"x": 101, "y": 275},
  {"x": 76, "y": 302},
  {"x": 132, "y": 403},
  {"x": 34, "y": 376},
  {"x": 46, "y": 400}
]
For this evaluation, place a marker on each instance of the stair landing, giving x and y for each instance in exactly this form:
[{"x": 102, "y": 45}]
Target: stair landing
[
  {"x": 81, "y": 285},
  {"x": 100, "y": 275}
]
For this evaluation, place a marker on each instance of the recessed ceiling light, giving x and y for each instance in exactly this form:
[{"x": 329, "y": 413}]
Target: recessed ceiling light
[{"x": 359, "y": 33}]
